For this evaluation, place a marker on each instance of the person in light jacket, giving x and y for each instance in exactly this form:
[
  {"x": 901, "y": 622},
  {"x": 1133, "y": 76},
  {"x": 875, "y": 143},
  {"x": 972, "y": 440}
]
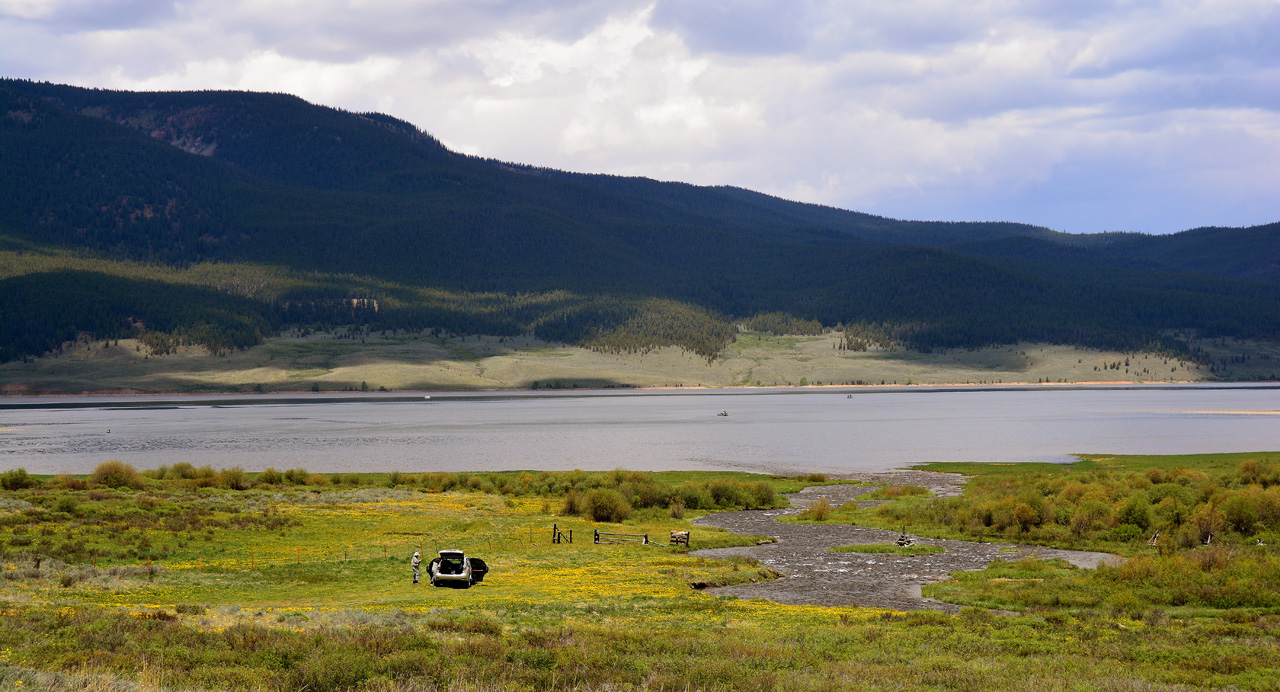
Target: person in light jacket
[{"x": 415, "y": 562}]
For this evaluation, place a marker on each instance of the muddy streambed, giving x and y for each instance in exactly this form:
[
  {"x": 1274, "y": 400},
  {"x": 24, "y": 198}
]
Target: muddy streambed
[{"x": 816, "y": 576}]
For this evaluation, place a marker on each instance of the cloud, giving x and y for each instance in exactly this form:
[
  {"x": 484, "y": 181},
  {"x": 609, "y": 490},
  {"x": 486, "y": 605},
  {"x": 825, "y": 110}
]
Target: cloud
[{"x": 1151, "y": 115}]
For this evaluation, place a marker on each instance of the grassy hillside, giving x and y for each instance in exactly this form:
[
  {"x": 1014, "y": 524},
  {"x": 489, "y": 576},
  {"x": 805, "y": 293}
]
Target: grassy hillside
[{"x": 340, "y": 361}]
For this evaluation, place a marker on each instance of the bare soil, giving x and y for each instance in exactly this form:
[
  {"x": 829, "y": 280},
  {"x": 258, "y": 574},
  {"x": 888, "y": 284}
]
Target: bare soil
[{"x": 816, "y": 576}]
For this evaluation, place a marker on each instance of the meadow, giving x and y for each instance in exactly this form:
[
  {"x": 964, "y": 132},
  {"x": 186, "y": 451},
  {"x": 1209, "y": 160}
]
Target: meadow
[
  {"x": 193, "y": 578},
  {"x": 342, "y": 361}
]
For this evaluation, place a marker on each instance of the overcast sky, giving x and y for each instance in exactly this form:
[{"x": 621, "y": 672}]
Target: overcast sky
[{"x": 1079, "y": 115}]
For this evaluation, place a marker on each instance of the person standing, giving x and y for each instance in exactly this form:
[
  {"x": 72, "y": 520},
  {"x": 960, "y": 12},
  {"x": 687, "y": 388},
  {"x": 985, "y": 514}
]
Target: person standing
[{"x": 415, "y": 562}]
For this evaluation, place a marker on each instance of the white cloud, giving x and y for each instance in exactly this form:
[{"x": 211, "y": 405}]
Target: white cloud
[
  {"x": 319, "y": 82},
  {"x": 1086, "y": 114}
]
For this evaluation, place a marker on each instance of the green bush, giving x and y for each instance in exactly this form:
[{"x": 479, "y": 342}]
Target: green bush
[
  {"x": 727, "y": 493},
  {"x": 270, "y": 476},
  {"x": 181, "y": 470},
  {"x": 297, "y": 476},
  {"x": 695, "y": 496},
  {"x": 18, "y": 479},
  {"x": 818, "y": 511},
  {"x": 603, "y": 504},
  {"x": 233, "y": 478},
  {"x": 763, "y": 495},
  {"x": 116, "y": 474},
  {"x": 1136, "y": 510},
  {"x": 572, "y": 503}
]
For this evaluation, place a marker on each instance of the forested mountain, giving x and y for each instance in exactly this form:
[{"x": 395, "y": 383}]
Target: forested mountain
[{"x": 335, "y": 213}]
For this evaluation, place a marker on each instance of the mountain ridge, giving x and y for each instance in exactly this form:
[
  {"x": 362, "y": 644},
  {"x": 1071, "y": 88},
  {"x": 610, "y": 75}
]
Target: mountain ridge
[{"x": 183, "y": 178}]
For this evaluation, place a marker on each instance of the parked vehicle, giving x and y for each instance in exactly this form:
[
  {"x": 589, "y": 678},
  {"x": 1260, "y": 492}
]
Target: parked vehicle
[{"x": 454, "y": 568}]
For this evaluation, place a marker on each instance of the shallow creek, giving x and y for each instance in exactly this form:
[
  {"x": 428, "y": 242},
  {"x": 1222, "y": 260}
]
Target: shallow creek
[{"x": 817, "y": 576}]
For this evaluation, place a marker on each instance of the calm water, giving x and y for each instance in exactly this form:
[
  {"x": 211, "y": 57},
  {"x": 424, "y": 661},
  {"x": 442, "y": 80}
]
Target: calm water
[{"x": 783, "y": 431}]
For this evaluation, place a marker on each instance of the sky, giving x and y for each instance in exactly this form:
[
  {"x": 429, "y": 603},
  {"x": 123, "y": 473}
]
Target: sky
[{"x": 1078, "y": 115}]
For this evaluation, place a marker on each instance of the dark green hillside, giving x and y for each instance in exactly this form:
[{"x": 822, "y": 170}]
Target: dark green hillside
[
  {"x": 274, "y": 136},
  {"x": 41, "y": 311},
  {"x": 1247, "y": 253},
  {"x": 323, "y": 207},
  {"x": 1252, "y": 252}
]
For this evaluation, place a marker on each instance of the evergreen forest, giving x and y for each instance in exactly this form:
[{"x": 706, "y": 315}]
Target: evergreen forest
[{"x": 220, "y": 218}]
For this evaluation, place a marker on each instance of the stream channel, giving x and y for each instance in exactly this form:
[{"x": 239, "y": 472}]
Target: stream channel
[{"x": 816, "y": 576}]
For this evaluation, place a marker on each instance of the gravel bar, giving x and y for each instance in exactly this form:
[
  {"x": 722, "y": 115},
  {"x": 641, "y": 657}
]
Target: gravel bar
[{"x": 816, "y": 576}]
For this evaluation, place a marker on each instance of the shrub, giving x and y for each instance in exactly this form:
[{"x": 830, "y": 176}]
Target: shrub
[
  {"x": 818, "y": 511},
  {"x": 233, "y": 478},
  {"x": 204, "y": 476},
  {"x": 727, "y": 493},
  {"x": 1127, "y": 533},
  {"x": 270, "y": 476},
  {"x": 676, "y": 509},
  {"x": 603, "y": 504},
  {"x": 1136, "y": 510},
  {"x": 67, "y": 482},
  {"x": 297, "y": 476},
  {"x": 1024, "y": 516},
  {"x": 1240, "y": 511},
  {"x": 181, "y": 470},
  {"x": 116, "y": 474},
  {"x": 695, "y": 496},
  {"x": 1207, "y": 520},
  {"x": 763, "y": 496},
  {"x": 892, "y": 492},
  {"x": 572, "y": 503},
  {"x": 18, "y": 479}
]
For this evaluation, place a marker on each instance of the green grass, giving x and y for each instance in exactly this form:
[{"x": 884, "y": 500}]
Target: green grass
[
  {"x": 893, "y": 492},
  {"x": 1110, "y": 463},
  {"x": 286, "y": 587}
]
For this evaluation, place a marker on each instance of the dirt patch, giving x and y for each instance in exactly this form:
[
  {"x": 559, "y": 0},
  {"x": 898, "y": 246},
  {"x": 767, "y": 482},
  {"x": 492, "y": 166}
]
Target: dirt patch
[{"x": 816, "y": 576}]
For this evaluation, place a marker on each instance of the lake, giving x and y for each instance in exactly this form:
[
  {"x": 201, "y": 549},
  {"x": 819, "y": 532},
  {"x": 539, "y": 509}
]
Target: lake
[{"x": 784, "y": 431}]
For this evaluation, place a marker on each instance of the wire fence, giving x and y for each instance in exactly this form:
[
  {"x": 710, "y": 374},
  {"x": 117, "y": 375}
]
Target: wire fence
[
  {"x": 237, "y": 558},
  {"x": 267, "y": 557}
]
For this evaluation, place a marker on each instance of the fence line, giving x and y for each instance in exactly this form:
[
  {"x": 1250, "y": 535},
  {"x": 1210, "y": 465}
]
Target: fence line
[{"x": 296, "y": 555}]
